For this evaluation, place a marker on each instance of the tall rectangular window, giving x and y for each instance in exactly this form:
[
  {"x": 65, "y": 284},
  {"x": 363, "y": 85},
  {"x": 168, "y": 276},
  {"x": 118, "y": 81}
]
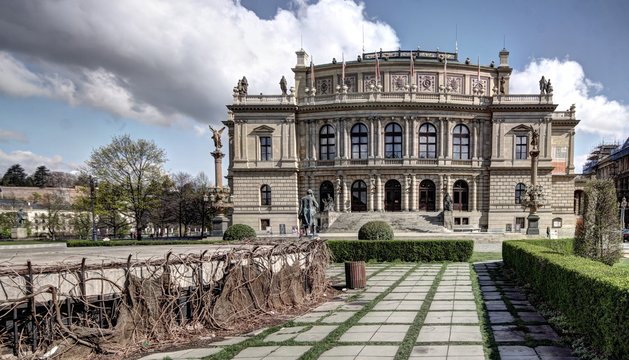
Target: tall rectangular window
[
  {"x": 266, "y": 152},
  {"x": 521, "y": 147}
]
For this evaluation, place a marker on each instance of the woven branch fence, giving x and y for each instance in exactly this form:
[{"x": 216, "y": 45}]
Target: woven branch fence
[{"x": 114, "y": 309}]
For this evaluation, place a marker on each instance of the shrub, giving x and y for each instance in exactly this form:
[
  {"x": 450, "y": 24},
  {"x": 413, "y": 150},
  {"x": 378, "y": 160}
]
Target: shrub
[
  {"x": 239, "y": 232},
  {"x": 404, "y": 250},
  {"x": 90, "y": 243},
  {"x": 592, "y": 296},
  {"x": 375, "y": 230},
  {"x": 600, "y": 237}
]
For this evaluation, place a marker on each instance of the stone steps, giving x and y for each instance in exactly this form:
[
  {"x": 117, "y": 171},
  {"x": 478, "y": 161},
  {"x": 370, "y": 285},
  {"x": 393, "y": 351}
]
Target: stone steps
[{"x": 425, "y": 222}]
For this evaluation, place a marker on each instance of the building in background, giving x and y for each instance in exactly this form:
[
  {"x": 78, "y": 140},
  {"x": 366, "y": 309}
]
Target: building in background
[{"x": 390, "y": 134}]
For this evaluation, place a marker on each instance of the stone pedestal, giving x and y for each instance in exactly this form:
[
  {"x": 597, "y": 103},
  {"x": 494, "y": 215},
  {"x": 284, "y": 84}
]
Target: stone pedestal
[
  {"x": 18, "y": 233},
  {"x": 448, "y": 219},
  {"x": 533, "y": 228},
  {"x": 219, "y": 224}
]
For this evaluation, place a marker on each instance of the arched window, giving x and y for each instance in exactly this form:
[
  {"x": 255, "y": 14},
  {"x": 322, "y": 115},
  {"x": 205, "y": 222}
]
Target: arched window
[
  {"x": 393, "y": 141},
  {"x": 360, "y": 141},
  {"x": 359, "y": 196},
  {"x": 327, "y": 143},
  {"x": 427, "y": 141},
  {"x": 461, "y": 195},
  {"x": 326, "y": 194},
  {"x": 461, "y": 142},
  {"x": 520, "y": 192},
  {"x": 265, "y": 195}
]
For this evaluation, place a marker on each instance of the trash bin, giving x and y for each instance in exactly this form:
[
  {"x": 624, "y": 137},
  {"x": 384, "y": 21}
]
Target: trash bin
[{"x": 355, "y": 275}]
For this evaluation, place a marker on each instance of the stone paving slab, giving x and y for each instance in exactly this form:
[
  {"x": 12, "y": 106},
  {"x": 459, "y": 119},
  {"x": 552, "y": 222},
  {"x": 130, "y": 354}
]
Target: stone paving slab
[
  {"x": 360, "y": 352},
  {"x": 449, "y": 333},
  {"x": 388, "y": 317},
  {"x": 338, "y": 318},
  {"x": 272, "y": 352},
  {"x": 375, "y": 333},
  {"x": 448, "y": 352},
  {"x": 189, "y": 354}
]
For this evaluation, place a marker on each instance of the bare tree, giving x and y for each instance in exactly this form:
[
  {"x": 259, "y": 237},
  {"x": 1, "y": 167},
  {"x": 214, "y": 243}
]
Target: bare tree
[{"x": 136, "y": 167}]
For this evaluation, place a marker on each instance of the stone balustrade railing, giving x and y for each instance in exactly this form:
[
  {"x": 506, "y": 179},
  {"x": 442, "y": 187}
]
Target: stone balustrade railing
[{"x": 395, "y": 97}]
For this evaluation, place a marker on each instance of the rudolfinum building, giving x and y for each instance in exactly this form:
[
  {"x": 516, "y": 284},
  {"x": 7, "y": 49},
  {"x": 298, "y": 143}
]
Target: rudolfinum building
[{"x": 387, "y": 135}]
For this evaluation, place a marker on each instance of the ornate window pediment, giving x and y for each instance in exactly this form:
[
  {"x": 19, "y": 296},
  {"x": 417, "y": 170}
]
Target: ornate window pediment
[{"x": 262, "y": 130}]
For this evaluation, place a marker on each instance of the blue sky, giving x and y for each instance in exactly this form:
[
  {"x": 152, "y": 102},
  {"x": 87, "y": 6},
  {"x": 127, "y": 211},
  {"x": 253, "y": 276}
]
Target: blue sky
[{"x": 163, "y": 70}]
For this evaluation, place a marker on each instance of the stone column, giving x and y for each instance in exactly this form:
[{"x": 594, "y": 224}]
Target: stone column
[
  {"x": 218, "y": 168},
  {"x": 339, "y": 140},
  {"x": 314, "y": 135},
  {"x": 379, "y": 149},
  {"x": 414, "y": 199},
  {"x": 346, "y": 197},
  {"x": 379, "y": 198},
  {"x": 441, "y": 144},
  {"x": 405, "y": 138},
  {"x": 475, "y": 193},
  {"x": 570, "y": 167},
  {"x": 481, "y": 139},
  {"x": 372, "y": 192},
  {"x": 548, "y": 139},
  {"x": 372, "y": 144},
  {"x": 405, "y": 191},
  {"x": 447, "y": 139},
  {"x": 283, "y": 139},
  {"x": 347, "y": 140},
  {"x": 338, "y": 188},
  {"x": 439, "y": 193}
]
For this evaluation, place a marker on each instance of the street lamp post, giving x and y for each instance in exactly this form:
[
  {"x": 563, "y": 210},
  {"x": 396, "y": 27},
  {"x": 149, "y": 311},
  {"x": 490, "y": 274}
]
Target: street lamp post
[
  {"x": 205, "y": 199},
  {"x": 92, "y": 193}
]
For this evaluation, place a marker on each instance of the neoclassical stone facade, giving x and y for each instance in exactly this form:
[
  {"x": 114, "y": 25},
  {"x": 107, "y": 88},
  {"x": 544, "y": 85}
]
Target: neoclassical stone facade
[{"x": 398, "y": 142}]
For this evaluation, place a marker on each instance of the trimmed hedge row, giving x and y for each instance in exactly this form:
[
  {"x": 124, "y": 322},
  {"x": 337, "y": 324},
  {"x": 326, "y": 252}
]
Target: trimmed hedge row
[
  {"x": 592, "y": 296},
  {"x": 90, "y": 243},
  {"x": 402, "y": 250}
]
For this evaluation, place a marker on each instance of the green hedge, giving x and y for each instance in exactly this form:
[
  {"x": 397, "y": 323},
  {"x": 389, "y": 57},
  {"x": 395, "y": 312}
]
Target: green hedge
[
  {"x": 592, "y": 296},
  {"x": 402, "y": 250},
  {"x": 90, "y": 243}
]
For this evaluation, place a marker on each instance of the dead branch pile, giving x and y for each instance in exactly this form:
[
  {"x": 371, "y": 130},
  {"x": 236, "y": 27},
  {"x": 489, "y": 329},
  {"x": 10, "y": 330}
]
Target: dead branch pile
[{"x": 78, "y": 310}]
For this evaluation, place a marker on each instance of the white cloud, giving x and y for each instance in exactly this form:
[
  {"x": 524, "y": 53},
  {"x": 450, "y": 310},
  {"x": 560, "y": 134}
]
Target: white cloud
[
  {"x": 598, "y": 114},
  {"x": 8, "y": 136},
  {"x": 30, "y": 161},
  {"x": 163, "y": 62},
  {"x": 601, "y": 118}
]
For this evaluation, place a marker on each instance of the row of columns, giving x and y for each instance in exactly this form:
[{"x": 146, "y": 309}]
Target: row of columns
[
  {"x": 410, "y": 142},
  {"x": 409, "y": 189}
]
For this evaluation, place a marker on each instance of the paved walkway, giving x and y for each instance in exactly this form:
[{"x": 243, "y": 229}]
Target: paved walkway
[{"x": 408, "y": 311}]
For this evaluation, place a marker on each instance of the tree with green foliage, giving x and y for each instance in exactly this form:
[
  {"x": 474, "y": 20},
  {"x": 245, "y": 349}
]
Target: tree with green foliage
[
  {"x": 54, "y": 218},
  {"x": 136, "y": 167},
  {"x": 14, "y": 176},
  {"x": 41, "y": 177},
  {"x": 600, "y": 236},
  {"x": 7, "y": 222}
]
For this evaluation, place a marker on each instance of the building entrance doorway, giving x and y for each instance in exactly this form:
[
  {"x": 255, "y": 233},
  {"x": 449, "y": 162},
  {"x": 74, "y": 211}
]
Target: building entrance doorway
[
  {"x": 359, "y": 196},
  {"x": 392, "y": 196},
  {"x": 461, "y": 195},
  {"x": 427, "y": 196}
]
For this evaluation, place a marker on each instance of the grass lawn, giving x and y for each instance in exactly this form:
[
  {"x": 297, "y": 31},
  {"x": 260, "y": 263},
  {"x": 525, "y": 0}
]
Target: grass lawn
[
  {"x": 28, "y": 242},
  {"x": 485, "y": 256}
]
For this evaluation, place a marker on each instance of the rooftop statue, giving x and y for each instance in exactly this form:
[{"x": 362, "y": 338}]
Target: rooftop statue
[
  {"x": 216, "y": 136},
  {"x": 283, "y": 85},
  {"x": 549, "y": 88},
  {"x": 542, "y": 85}
]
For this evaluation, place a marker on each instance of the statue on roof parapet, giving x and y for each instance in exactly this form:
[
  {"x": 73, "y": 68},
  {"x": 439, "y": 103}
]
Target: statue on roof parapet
[
  {"x": 283, "y": 86},
  {"x": 545, "y": 87}
]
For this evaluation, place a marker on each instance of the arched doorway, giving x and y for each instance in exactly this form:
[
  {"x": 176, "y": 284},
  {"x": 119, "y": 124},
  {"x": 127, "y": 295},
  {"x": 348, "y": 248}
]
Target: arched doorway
[
  {"x": 359, "y": 196},
  {"x": 427, "y": 195},
  {"x": 392, "y": 196},
  {"x": 326, "y": 189},
  {"x": 461, "y": 195}
]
